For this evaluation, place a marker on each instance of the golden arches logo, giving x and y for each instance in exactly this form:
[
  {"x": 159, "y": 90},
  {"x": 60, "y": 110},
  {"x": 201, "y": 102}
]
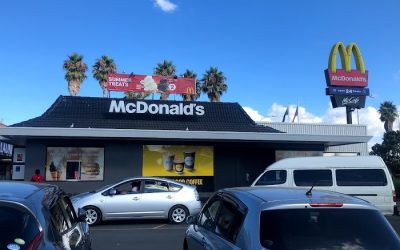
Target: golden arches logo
[
  {"x": 190, "y": 91},
  {"x": 345, "y": 57}
]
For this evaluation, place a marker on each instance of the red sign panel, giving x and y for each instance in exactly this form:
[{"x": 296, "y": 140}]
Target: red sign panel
[
  {"x": 151, "y": 84},
  {"x": 354, "y": 78}
]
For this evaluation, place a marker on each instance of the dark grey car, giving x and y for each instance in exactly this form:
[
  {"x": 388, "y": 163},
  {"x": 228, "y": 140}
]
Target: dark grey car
[
  {"x": 39, "y": 216},
  {"x": 288, "y": 219}
]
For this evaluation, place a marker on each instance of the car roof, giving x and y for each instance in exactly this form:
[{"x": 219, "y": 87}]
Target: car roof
[
  {"x": 156, "y": 178},
  {"x": 27, "y": 192},
  {"x": 329, "y": 162},
  {"x": 269, "y": 197}
]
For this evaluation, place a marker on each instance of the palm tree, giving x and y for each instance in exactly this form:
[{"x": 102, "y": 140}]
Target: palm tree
[
  {"x": 136, "y": 95},
  {"x": 388, "y": 112},
  {"x": 214, "y": 84},
  {"x": 75, "y": 72},
  {"x": 101, "y": 69},
  {"x": 192, "y": 97},
  {"x": 166, "y": 69}
]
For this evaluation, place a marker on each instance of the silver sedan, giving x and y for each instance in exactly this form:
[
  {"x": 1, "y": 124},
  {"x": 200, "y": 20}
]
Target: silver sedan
[{"x": 140, "y": 198}]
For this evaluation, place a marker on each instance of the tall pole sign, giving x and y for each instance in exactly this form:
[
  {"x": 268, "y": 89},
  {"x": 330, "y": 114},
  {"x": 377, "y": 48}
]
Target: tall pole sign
[{"x": 347, "y": 87}]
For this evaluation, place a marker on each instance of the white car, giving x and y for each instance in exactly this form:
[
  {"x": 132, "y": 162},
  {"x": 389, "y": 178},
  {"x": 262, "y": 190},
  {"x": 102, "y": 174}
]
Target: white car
[{"x": 139, "y": 198}]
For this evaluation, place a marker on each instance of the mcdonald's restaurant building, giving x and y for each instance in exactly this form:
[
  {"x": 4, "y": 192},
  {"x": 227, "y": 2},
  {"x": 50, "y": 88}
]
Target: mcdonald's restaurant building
[{"x": 82, "y": 143}]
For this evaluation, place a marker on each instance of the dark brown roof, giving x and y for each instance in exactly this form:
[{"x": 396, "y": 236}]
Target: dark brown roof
[{"x": 93, "y": 112}]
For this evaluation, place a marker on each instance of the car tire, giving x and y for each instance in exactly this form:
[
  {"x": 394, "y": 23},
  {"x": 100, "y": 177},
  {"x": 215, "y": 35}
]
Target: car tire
[
  {"x": 178, "y": 214},
  {"x": 93, "y": 215}
]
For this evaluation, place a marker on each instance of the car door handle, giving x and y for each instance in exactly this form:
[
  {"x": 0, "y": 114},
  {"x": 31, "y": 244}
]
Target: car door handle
[
  {"x": 169, "y": 196},
  {"x": 135, "y": 198}
]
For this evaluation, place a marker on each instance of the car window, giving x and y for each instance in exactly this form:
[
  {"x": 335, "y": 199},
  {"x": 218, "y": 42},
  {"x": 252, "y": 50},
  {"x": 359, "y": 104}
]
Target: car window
[
  {"x": 361, "y": 177},
  {"x": 313, "y": 177},
  {"x": 272, "y": 177},
  {"x": 174, "y": 187},
  {"x": 229, "y": 220},
  {"x": 16, "y": 224},
  {"x": 155, "y": 186},
  {"x": 208, "y": 216},
  {"x": 62, "y": 216},
  {"x": 124, "y": 188},
  {"x": 326, "y": 228}
]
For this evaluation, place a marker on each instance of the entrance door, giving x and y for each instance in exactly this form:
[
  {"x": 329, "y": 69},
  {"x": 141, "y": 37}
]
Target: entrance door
[{"x": 251, "y": 164}]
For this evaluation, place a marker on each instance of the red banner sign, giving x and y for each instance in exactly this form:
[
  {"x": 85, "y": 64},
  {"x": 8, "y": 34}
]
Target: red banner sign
[
  {"x": 354, "y": 78},
  {"x": 151, "y": 84}
]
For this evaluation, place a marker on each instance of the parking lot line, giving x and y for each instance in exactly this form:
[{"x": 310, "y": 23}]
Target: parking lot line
[{"x": 160, "y": 226}]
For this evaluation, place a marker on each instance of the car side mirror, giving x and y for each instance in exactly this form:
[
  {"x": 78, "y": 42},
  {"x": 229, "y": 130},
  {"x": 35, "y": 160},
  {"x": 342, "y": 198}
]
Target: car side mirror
[
  {"x": 191, "y": 219},
  {"x": 81, "y": 215},
  {"x": 112, "y": 192}
]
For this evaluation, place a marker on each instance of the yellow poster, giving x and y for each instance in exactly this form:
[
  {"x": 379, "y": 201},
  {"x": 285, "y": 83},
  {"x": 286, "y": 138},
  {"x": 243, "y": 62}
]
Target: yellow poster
[{"x": 178, "y": 160}]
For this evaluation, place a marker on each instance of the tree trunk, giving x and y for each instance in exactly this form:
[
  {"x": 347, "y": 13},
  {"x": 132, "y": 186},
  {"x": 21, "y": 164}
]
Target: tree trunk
[
  {"x": 74, "y": 87},
  {"x": 164, "y": 96},
  {"x": 388, "y": 125},
  {"x": 103, "y": 85}
]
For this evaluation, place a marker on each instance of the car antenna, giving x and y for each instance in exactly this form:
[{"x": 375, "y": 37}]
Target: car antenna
[{"x": 309, "y": 192}]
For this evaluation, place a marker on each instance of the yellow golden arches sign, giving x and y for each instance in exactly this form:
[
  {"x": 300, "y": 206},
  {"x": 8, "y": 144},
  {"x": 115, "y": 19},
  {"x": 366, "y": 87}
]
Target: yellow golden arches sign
[
  {"x": 190, "y": 91},
  {"x": 346, "y": 76},
  {"x": 345, "y": 56}
]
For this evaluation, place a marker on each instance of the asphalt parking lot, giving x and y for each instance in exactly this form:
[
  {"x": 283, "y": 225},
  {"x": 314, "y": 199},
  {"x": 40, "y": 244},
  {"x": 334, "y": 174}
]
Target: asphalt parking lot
[
  {"x": 152, "y": 234},
  {"x": 137, "y": 234}
]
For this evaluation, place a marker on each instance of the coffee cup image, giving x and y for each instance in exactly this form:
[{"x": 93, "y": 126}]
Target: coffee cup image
[
  {"x": 179, "y": 166},
  {"x": 189, "y": 159},
  {"x": 168, "y": 161}
]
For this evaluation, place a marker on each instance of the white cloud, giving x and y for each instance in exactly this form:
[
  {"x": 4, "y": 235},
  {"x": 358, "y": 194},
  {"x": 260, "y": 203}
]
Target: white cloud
[
  {"x": 165, "y": 5},
  {"x": 368, "y": 116}
]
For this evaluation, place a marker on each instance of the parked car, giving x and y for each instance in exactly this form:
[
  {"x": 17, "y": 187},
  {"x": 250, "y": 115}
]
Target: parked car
[
  {"x": 366, "y": 177},
  {"x": 39, "y": 216},
  {"x": 140, "y": 198},
  {"x": 288, "y": 218}
]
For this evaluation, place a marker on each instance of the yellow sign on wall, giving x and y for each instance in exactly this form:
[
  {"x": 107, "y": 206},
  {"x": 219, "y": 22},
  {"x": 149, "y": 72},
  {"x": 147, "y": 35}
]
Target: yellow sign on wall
[{"x": 178, "y": 160}]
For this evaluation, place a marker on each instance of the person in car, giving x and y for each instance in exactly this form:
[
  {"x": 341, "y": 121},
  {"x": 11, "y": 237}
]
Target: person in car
[{"x": 135, "y": 187}]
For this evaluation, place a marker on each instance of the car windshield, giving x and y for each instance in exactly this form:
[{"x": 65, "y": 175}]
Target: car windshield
[
  {"x": 326, "y": 228},
  {"x": 17, "y": 226}
]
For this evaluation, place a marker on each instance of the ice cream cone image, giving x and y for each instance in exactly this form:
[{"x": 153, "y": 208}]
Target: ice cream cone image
[
  {"x": 54, "y": 175},
  {"x": 53, "y": 172}
]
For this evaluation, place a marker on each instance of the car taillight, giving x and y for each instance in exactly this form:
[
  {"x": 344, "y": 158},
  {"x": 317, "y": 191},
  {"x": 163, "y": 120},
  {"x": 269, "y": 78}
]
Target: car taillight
[
  {"x": 35, "y": 242},
  {"x": 326, "y": 204},
  {"x": 394, "y": 196}
]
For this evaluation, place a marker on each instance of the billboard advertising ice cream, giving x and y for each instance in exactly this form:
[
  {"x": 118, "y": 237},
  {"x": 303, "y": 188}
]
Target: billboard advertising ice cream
[{"x": 151, "y": 84}]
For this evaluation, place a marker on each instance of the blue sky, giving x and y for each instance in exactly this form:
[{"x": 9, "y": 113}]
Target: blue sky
[{"x": 273, "y": 53}]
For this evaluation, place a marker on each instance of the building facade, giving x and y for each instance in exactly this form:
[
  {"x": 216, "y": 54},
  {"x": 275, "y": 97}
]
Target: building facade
[{"x": 82, "y": 143}]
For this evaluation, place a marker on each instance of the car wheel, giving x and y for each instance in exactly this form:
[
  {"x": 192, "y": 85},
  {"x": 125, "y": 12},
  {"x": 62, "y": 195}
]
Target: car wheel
[
  {"x": 178, "y": 214},
  {"x": 93, "y": 215}
]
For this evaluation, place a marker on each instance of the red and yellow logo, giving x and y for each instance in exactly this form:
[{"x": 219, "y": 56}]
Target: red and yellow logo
[{"x": 346, "y": 76}]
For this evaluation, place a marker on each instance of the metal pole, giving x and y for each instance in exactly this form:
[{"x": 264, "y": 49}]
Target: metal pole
[{"x": 348, "y": 115}]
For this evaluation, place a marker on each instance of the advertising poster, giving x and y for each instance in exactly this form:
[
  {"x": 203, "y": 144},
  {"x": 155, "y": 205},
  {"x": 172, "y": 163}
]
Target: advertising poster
[
  {"x": 74, "y": 164},
  {"x": 151, "y": 84},
  {"x": 19, "y": 155},
  {"x": 192, "y": 165}
]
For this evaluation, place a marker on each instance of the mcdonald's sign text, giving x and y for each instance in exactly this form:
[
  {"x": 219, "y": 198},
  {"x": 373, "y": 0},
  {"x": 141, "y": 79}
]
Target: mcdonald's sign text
[{"x": 354, "y": 78}]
